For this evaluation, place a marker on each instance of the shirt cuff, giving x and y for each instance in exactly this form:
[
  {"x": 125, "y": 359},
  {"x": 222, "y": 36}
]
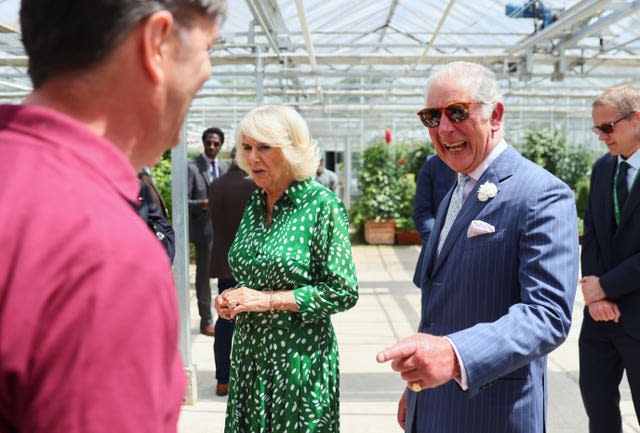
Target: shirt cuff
[{"x": 463, "y": 381}]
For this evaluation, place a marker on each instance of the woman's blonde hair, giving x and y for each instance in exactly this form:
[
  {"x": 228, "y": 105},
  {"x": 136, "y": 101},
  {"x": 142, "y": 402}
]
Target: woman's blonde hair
[{"x": 280, "y": 126}]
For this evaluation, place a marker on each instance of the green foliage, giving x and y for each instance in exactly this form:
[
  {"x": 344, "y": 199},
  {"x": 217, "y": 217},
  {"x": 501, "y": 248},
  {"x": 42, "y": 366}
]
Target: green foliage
[
  {"x": 544, "y": 147},
  {"x": 549, "y": 149},
  {"x": 387, "y": 181},
  {"x": 582, "y": 197},
  {"x": 574, "y": 167},
  {"x": 162, "y": 174},
  {"x": 406, "y": 192},
  {"x": 416, "y": 157},
  {"x": 378, "y": 182},
  {"x": 410, "y": 161}
]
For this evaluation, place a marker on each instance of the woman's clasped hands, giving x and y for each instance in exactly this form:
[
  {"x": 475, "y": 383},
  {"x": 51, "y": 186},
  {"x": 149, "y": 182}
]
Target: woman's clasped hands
[{"x": 238, "y": 300}]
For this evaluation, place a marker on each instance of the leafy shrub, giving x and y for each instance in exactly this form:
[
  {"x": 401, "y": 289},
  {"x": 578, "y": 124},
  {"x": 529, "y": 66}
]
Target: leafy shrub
[
  {"x": 406, "y": 192},
  {"x": 549, "y": 149},
  {"x": 544, "y": 147},
  {"x": 162, "y": 174},
  {"x": 582, "y": 197},
  {"x": 416, "y": 156},
  {"x": 378, "y": 182}
]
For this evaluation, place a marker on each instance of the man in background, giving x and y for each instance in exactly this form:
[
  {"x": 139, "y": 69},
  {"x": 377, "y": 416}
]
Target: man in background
[
  {"x": 146, "y": 176},
  {"x": 201, "y": 171},
  {"x": 155, "y": 216},
  {"x": 328, "y": 178},
  {"x": 88, "y": 330},
  {"x": 228, "y": 196},
  {"x": 610, "y": 335}
]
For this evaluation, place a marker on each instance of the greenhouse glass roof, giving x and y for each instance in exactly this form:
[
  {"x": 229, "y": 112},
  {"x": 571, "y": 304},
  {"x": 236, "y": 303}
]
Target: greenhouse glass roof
[{"x": 354, "y": 68}]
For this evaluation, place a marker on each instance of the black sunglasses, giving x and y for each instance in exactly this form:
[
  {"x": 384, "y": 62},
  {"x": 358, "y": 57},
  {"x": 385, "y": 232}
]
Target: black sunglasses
[
  {"x": 607, "y": 128},
  {"x": 456, "y": 112}
]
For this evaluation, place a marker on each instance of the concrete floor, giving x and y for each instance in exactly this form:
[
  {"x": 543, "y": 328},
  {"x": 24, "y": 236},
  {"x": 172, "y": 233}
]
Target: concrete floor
[{"x": 388, "y": 310}]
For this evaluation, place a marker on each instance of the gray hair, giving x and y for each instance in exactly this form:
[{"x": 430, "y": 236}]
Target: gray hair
[
  {"x": 624, "y": 98},
  {"x": 283, "y": 127},
  {"x": 487, "y": 89}
]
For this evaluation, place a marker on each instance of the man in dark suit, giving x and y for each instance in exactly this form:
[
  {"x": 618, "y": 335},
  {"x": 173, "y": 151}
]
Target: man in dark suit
[
  {"x": 228, "y": 196},
  {"x": 147, "y": 178},
  {"x": 499, "y": 275},
  {"x": 153, "y": 211},
  {"x": 155, "y": 219},
  {"x": 610, "y": 335},
  {"x": 434, "y": 181},
  {"x": 200, "y": 172}
]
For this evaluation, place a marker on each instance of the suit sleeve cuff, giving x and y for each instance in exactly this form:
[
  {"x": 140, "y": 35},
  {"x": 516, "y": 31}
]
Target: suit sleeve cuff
[{"x": 462, "y": 380}]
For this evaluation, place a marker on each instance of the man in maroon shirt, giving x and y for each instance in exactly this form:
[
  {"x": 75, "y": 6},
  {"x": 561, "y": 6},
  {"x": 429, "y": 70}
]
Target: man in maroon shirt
[{"x": 88, "y": 311}]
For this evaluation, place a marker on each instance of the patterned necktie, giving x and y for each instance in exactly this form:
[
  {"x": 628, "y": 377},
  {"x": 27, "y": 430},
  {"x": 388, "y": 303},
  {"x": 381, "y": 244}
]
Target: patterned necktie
[
  {"x": 454, "y": 207},
  {"x": 622, "y": 188}
]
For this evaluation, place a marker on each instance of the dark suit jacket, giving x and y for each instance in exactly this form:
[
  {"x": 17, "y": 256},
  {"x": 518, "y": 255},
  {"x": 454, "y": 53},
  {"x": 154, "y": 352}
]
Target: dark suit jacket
[
  {"x": 434, "y": 181},
  {"x": 504, "y": 298},
  {"x": 611, "y": 253},
  {"x": 228, "y": 196},
  {"x": 155, "y": 219},
  {"x": 199, "y": 179},
  {"x": 154, "y": 194}
]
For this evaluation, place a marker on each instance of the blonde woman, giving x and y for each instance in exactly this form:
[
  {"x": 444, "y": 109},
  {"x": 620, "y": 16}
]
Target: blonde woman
[{"x": 292, "y": 259}]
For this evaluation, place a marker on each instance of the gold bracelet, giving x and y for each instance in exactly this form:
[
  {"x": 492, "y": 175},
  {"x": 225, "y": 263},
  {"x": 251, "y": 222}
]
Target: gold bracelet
[{"x": 272, "y": 309}]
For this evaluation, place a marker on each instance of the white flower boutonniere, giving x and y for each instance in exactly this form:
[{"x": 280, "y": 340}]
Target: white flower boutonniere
[{"x": 486, "y": 191}]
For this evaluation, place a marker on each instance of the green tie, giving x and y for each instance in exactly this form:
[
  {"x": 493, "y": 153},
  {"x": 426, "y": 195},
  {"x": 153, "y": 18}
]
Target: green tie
[{"x": 622, "y": 188}]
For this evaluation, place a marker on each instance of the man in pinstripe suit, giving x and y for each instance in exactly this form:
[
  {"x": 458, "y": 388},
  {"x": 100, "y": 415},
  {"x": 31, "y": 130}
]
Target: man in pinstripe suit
[{"x": 498, "y": 283}]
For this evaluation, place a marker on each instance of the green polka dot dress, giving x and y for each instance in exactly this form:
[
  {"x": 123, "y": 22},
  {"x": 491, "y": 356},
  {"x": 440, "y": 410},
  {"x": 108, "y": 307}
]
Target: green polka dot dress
[{"x": 284, "y": 369}]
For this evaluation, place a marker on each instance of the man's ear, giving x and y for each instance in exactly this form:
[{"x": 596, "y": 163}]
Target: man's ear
[
  {"x": 497, "y": 116},
  {"x": 156, "y": 37}
]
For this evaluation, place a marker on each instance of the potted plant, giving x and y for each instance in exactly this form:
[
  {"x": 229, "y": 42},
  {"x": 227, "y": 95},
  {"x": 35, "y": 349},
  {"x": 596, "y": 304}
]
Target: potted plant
[
  {"x": 406, "y": 233},
  {"x": 376, "y": 207}
]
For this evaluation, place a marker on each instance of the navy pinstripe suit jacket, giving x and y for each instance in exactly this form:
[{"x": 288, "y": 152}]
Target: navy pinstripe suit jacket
[{"x": 503, "y": 298}]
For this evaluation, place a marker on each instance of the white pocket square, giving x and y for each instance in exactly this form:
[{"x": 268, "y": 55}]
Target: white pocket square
[{"x": 479, "y": 227}]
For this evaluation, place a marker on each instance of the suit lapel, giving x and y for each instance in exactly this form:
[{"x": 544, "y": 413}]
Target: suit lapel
[
  {"x": 501, "y": 169},
  {"x": 604, "y": 211},
  {"x": 205, "y": 169},
  {"x": 437, "y": 228}
]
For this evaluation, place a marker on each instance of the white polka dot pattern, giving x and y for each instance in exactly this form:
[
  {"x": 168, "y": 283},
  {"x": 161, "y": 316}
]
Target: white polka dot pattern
[{"x": 284, "y": 372}]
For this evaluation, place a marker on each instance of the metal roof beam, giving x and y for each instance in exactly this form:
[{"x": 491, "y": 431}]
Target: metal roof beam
[
  {"x": 268, "y": 16},
  {"x": 387, "y": 22},
  {"x": 599, "y": 25},
  {"x": 309, "y": 45},
  {"x": 581, "y": 11}
]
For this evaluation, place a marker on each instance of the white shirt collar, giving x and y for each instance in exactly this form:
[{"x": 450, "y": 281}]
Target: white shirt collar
[{"x": 633, "y": 160}]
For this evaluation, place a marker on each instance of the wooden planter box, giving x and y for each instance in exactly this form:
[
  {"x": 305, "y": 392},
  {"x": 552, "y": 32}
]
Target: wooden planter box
[
  {"x": 408, "y": 237},
  {"x": 380, "y": 232}
]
